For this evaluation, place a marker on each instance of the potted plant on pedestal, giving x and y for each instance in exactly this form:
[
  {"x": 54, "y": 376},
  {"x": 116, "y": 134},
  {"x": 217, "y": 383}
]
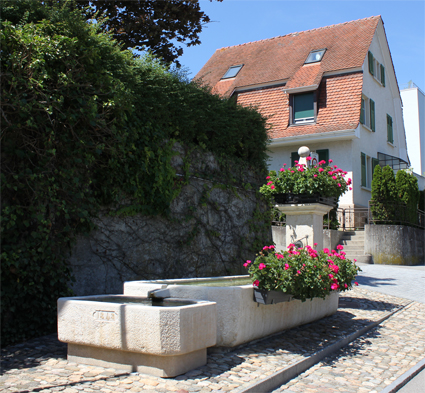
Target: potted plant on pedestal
[
  {"x": 321, "y": 183},
  {"x": 302, "y": 273}
]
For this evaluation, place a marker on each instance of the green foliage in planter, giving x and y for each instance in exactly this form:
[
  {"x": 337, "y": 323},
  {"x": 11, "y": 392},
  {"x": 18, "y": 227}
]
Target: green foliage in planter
[
  {"x": 304, "y": 272},
  {"x": 84, "y": 124}
]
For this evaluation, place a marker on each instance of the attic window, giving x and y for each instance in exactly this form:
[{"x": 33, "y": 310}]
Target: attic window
[
  {"x": 232, "y": 71},
  {"x": 315, "y": 56}
]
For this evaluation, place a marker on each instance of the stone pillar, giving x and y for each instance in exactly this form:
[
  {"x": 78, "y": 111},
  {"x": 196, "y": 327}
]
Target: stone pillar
[{"x": 304, "y": 222}]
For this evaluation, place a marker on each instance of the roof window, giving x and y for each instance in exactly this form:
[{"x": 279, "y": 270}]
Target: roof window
[
  {"x": 232, "y": 71},
  {"x": 315, "y": 56}
]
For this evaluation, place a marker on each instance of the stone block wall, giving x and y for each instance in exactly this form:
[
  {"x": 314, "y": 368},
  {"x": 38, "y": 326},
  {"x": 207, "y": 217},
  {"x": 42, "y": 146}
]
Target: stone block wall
[
  {"x": 395, "y": 244},
  {"x": 210, "y": 231}
]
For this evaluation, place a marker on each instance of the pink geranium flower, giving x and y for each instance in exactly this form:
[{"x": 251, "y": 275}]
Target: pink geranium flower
[
  {"x": 270, "y": 182},
  {"x": 308, "y": 158},
  {"x": 334, "y": 286},
  {"x": 268, "y": 177},
  {"x": 261, "y": 266},
  {"x": 272, "y": 187},
  {"x": 339, "y": 247},
  {"x": 331, "y": 275},
  {"x": 334, "y": 177},
  {"x": 330, "y": 161},
  {"x": 314, "y": 175},
  {"x": 286, "y": 266},
  {"x": 321, "y": 169},
  {"x": 282, "y": 170},
  {"x": 255, "y": 283}
]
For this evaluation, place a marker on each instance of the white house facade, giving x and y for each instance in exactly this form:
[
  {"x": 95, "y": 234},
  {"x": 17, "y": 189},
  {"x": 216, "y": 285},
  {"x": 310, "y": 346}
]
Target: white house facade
[{"x": 332, "y": 89}]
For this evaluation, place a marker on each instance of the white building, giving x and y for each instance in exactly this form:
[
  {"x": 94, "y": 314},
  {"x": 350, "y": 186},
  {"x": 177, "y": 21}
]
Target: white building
[
  {"x": 333, "y": 89},
  {"x": 414, "y": 124}
]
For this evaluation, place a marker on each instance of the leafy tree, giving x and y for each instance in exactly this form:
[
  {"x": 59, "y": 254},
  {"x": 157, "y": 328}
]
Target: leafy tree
[{"x": 155, "y": 25}]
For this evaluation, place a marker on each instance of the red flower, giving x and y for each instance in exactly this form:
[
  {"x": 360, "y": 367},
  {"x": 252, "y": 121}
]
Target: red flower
[
  {"x": 261, "y": 266},
  {"x": 255, "y": 283}
]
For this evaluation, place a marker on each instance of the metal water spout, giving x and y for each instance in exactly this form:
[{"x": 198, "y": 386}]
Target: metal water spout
[{"x": 159, "y": 293}]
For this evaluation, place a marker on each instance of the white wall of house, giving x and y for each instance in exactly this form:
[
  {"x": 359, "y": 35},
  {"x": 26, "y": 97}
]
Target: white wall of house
[
  {"x": 414, "y": 124},
  {"x": 346, "y": 153}
]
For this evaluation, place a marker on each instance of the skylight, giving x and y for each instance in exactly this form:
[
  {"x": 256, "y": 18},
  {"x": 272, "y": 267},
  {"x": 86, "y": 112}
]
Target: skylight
[
  {"x": 232, "y": 71},
  {"x": 315, "y": 56}
]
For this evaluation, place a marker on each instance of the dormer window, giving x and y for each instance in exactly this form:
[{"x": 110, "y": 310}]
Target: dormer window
[
  {"x": 315, "y": 56},
  {"x": 232, "y": 71}
]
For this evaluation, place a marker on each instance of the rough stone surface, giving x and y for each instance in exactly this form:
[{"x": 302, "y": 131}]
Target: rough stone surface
[
  {"x": 395, "y": 244},
  {"x": 368, "y": 365},
  {"x": 210, "y": 231},
  {"x": 240, "y": 319}
]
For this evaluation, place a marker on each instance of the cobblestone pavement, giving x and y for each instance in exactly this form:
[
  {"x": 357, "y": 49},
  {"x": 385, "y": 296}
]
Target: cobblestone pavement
[
  {"x": 373, "y": 361},
  {"x": 370, "y": 362}
]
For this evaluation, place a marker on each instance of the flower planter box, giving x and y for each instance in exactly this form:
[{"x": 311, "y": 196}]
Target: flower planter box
[
  {"x": 288, "y": 198},
  {"x": 264, "y": 296}
]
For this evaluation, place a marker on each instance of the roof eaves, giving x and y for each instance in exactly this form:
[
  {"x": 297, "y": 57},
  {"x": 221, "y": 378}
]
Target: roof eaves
[
  {"x": 301, "y": 89},
  {"x": 320, "y": 137}
]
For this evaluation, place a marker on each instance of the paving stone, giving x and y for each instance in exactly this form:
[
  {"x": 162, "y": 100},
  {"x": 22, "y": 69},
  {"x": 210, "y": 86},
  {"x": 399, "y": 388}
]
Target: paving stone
[{"x": 368, "y": 364}]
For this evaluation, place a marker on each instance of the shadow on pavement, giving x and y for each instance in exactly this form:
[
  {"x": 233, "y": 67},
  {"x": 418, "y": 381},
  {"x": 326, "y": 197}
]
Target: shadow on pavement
[{"x": 375, "y": 282}]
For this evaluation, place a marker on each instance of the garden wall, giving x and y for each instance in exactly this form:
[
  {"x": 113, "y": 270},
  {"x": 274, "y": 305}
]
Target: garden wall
[
  {"x": 395, "y": 244},
  {"x": 212, "y": 229}
]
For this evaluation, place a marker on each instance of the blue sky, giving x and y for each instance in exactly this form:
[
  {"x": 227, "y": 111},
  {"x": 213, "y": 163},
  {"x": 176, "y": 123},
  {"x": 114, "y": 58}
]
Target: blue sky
[{"x": 239, "y": 21}]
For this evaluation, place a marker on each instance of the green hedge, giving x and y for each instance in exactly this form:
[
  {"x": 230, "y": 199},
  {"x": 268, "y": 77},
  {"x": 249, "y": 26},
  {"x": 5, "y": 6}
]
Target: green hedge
[
  {"x": 85, "y": 124},
  {"x": 395, "y": 199}
]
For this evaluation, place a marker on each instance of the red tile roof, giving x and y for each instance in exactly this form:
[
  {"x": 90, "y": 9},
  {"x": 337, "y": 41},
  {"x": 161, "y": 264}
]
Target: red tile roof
[{"x": 281, "y": 59}]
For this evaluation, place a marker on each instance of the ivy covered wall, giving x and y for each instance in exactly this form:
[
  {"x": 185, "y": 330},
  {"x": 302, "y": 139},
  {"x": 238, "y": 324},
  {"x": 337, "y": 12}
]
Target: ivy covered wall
[
  {"x": 217, "y": 222},
  {"x": 86, "y": 125}
]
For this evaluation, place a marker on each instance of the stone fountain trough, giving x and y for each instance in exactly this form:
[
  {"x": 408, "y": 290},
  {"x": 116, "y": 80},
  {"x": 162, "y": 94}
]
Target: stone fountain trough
[
  {"x": 161, "y": 337},
  {"x": 239, "y": 318}
]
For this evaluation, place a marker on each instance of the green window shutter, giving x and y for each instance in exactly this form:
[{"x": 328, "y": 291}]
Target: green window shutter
[
  {"x": 363, "y": 171},
  {"x": 294, "y": 157},
  {"x": 362, "y": 112},
  {"x": 372, "y": 115},
  {"x": 390, "y": 136},
  {"x": 371, "y": 65},
  {"x": 375, "y": 162},
  {"x": 303, "y": 105},
  {"x": 383, "y": 75},
  {"x": 323, "y": 154}
]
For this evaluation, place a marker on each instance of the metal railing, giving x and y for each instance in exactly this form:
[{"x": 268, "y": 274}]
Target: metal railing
[{"x": 355, "y": 218}]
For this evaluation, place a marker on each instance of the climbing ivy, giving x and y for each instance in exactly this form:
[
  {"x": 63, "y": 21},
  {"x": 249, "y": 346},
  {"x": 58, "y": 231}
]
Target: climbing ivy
[{"x": 85, "y": 125}]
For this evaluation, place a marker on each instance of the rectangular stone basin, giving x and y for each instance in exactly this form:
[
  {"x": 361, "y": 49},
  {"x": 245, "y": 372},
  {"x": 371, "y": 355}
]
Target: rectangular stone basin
[
  {"x": 161, "y": 338},
  {"x": 239, "y": 318}
]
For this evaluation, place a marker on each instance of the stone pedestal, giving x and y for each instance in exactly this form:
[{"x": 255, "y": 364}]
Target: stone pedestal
[{"x": 304, "y": 222}]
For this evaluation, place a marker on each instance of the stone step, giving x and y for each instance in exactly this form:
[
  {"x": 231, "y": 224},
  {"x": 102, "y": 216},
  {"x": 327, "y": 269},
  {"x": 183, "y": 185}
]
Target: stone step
[
  {"x": 352, "y": 248},
  {"x": 352, "y": 237},
  {"x": 367, "y": 258},
  {"x": 356, "y": 242}
]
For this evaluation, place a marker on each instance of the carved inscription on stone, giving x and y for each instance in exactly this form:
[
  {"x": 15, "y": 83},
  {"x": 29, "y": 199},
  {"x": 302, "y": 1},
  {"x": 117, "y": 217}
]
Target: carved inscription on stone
[{"x": 107, "y": 316}]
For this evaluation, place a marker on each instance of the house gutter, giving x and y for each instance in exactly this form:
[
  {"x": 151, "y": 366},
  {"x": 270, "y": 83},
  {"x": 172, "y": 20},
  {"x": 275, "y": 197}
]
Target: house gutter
[{"x": 313, "y": 138}]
